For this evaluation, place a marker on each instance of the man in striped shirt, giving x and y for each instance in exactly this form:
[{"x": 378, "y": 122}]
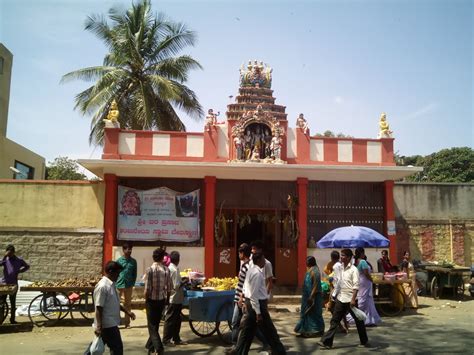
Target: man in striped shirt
[
  {"x": 157, "y": 293},
  {"x": 244, "y": 256}
]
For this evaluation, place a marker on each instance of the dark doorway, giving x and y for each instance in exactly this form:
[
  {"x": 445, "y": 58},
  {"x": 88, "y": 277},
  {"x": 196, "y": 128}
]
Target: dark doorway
[{"x": 258, "y": 226}]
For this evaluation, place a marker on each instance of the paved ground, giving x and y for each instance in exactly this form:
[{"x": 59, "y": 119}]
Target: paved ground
[{"x": 436, "y": 328}]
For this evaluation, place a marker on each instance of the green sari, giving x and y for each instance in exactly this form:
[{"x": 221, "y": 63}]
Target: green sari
[{"x": 311, "y": 320}]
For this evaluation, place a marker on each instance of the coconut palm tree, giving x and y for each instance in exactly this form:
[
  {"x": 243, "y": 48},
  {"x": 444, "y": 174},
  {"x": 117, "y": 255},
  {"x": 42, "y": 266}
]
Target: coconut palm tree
[{"x": 141, "y": 71}]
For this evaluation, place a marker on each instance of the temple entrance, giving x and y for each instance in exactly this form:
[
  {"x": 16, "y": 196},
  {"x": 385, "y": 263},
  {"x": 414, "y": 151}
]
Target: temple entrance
[
  {"x": 258, "y": 226},
  {"x": 271, "y": 226}
]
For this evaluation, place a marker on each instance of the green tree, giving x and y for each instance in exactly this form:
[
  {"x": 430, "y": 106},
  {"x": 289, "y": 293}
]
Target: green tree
[
  {"x": 63, "y": 168},
  {"x": 141, "y": 71},
  {"x": 331, "y": 134},
  {"x": 447, "y": 165}
]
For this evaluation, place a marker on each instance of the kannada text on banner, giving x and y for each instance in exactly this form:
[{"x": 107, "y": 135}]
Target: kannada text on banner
[{"x": 158, "y": 214}]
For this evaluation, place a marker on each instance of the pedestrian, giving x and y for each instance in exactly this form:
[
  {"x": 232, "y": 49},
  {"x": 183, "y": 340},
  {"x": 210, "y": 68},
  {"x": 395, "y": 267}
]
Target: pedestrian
[
  {"x": 244, "y": 256},
  {"x": 173, "y": 319},
  {"x": 127, "y": 279},
  {"x": 12, "y": 267},
  {"x": 107, "y": 309},
  {"x": 157, "y": 294},
  {"x": 257, "y": 247},
  {"x": 332, "y": 269},
  {"x": 256, "y": 314},
  {"x": 365, "y": 296},
  {"x": 311, "y": 323},
  {"x": 347, "y": 288}
]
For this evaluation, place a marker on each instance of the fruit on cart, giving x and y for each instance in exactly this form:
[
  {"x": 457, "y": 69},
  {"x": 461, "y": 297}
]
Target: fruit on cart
[
  {"x": 7, "y": 288},
  {"x": 222, "y": 284},
  {"x": 70, "y": 282}
]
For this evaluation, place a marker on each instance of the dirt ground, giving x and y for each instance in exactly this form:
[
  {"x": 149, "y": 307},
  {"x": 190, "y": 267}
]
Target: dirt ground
[{"x": 437, "y": 327}]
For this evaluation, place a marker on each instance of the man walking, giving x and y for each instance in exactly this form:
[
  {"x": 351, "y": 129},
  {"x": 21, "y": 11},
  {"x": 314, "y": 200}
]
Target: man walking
[
  {"x": 256, "y": 312},
  {"x": 12, "y": 267},
  {"x": 172, "y": 324},
  {"x": 157, "y": 294},
  {"x": 107, "y": 309},
  {"x": 127, "y": 279},
  {"x": 244, "y": 256},
  {"x": 346, "y": 288}
]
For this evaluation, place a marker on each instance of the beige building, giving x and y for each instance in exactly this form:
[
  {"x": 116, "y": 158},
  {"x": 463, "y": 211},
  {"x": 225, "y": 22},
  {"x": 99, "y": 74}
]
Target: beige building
[{"x": 16, "y": 161}]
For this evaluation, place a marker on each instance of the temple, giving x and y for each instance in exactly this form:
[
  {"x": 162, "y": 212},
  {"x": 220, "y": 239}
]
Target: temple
[{"x": 257, "y": 175}]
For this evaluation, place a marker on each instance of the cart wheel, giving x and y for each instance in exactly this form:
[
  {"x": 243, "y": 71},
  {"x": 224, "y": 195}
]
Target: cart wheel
[
  {"x": 86, "y": 306},
  {"x": 48, "y": 310},
  {"x": 203, "y": 329},
  {"x": 434, "y": 288},
  {"x": 3, "y": 310},
  {"x": 224, "y": 328},
  {"x": 393, "y": 305},
  {"x": 66, "y": 307}
]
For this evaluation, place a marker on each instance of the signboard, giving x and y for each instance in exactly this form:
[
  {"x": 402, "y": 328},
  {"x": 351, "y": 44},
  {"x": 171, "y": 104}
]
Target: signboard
[
  {"x": 157, "y": 214},
  {"x": 391, "y": 230}
]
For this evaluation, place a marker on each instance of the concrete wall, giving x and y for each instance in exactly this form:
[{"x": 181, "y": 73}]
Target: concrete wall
[
  {"x": 57, "y": 226},
  {"x": 11, "y": 151},
  {"x": 436, "y": 221},
  {"x": 51, "y": 205}
]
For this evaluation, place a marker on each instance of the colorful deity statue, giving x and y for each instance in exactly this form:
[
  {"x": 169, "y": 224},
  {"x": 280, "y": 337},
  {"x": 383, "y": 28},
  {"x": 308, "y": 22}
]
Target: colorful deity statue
[
  {"x": 257, "y": 74},
  {"x": 385, "y": 131},
  {"x": 239, "y": 146},
  {"x": 275, "y": 146},
  {"x": 302, "y": 123},
  {"x": 211, "y": 119}
]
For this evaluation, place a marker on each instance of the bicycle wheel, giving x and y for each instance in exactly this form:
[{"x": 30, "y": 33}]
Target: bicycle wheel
[
  {"x": 4, "y": 309},
  {"x": 66, "y": 305},
  {"x": 392, "y": 305},
  {"x": 434, "y": 288},
  {"x": 45, "y": 309},
  {"x": 224, "y": 328},
  {"x": 202, "y": 328},
  {"x": 86, "y": 306}
]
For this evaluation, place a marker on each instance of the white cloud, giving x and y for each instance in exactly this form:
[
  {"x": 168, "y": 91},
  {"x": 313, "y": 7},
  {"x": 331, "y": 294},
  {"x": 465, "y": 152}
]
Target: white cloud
[
  {"x": 338, "y": 100},
  {"x": 421, "y": 112}
]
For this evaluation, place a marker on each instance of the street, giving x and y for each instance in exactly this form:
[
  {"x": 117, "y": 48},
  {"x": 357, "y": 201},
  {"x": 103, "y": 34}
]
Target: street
[{"x": 437, "y": 327}]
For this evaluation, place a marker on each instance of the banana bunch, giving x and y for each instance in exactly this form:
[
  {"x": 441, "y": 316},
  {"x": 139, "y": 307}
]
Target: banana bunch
[{"x": 224, "y": 284}]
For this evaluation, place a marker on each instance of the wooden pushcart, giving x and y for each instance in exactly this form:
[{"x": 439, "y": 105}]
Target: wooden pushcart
[
  {"x": 56, "y": 303},
  {"x": 440, "y": 278}
]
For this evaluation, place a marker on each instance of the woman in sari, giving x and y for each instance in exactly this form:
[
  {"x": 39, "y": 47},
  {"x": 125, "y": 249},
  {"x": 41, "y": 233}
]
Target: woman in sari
[
  {"x": 365, "y": 296},
  {"x": 311, "y": 323},
  {"x": 411, "y": 297}
]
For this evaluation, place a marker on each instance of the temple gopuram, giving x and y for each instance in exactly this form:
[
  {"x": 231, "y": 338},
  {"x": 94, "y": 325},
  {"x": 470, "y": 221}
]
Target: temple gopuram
[{"x": 254, "y": 176}]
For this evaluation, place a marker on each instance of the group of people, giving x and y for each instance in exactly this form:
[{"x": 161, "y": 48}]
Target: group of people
[{"x": 164, "y": 289}]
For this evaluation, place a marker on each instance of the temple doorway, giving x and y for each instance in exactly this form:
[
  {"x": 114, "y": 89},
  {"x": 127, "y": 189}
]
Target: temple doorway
[{"x": 257, "y": 226}]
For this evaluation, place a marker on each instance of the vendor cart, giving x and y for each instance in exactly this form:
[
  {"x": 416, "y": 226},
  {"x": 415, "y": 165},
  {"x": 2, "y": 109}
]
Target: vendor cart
[
  {"x": 440, "y": 278},
  {"x": 389, "y": 297},
  {"x": 210, "y": 312},
  {"x": 56, "y": 303},
  {"x": 5, "y": 290}
]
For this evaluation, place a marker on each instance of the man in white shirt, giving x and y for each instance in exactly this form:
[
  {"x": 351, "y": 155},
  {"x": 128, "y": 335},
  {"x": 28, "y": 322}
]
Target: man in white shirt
[
  {"x": 347, "y": 287},
  {"x": 107, "y": 309},
  {"x": 256, "y": 314},
  {"x": 172, "y": 325},
  {"x": 257, "y": 247}
]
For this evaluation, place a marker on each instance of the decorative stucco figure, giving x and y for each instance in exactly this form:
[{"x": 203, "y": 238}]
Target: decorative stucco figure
[{"x": 385, "y": 131}]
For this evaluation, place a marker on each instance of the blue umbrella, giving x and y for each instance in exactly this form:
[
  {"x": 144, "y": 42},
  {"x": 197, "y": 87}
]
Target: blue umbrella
[{"x": 353, "y": 237}]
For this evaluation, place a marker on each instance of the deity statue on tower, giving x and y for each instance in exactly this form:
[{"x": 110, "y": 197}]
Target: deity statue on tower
[{"x": 385, "y": 131}]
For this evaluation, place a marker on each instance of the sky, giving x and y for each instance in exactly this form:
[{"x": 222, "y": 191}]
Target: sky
[{"x": 341, "y": 63}]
